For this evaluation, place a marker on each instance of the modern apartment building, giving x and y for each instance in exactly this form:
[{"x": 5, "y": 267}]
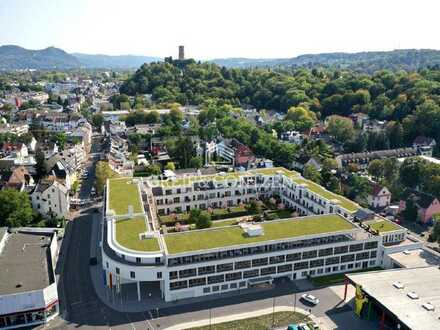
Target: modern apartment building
[{"x": 323, "y": 240}]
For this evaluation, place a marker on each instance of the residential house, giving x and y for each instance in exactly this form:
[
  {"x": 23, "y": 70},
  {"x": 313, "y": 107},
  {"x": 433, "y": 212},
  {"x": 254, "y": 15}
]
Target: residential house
[
  {"x": 293, "y": 137},
  {"x": 380, "y": 196},
  {"x": 427, "y": 206},
  {"x": 18, "y": 178},
  {"x": 362, "y": 159},
  {"x": 302, "y": 161},
  {"x": 424, "y": 141},
  {"x": 51, "y": 198}
]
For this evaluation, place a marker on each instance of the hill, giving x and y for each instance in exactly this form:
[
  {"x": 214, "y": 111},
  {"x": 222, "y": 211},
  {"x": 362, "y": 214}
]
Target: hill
[
  {"x": 113, "y": 62},
  {"x": 369, "y": 62},
  {"x": 15, "y": 58}
]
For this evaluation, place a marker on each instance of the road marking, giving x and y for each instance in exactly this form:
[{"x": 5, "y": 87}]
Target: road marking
[
  {"x": 129, "y": 320},
  {"x": 148, "y": 321}
]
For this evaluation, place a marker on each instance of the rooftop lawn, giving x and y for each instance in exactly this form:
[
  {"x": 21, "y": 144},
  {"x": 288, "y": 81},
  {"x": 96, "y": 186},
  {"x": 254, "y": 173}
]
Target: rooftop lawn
[
  {"x": 317, "y": 189},
  {"x": 122, "y": 193},
  {"x": 127, "y": 235},
  {"x": 382, "y": 226},
  {"x": 273, "y": 230}
]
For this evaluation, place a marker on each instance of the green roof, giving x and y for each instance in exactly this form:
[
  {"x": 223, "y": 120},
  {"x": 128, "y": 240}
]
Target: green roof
[
  {"x": 273, "y": 230},
  {"x": 122, "y": 193},
  {"x": 127, "y": 235},
  {"x": 321, "y": 191},
  {"x": 382, "y": 226}
]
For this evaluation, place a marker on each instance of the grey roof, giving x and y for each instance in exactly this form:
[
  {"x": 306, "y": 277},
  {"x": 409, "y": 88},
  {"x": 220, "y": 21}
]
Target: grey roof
[
  {"x": 401, "y": 152},
  {"x": 423, "y": 281},
  {"x": 25, "y": 263}
]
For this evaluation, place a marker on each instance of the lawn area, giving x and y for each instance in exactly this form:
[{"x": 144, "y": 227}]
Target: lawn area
[
  {"x": 127, "y": 235},
  {"x": 263, "y": 322},
  {"x": 338, "y": 278},
  {"x": 317, "y": 189},
  {"x": 122, "y": 194},
  {"x": 273, "y": 230},
  {"x": 221, "y": 213},
  {"x": 382, "y": 226}
]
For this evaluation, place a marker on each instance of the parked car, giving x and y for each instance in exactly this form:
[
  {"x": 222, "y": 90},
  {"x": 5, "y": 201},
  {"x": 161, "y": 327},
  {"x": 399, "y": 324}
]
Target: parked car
[
  {"x": 303, "y": 326},
  {"x": 310, "y": 299},
  {"x": 292, "y": 327}
]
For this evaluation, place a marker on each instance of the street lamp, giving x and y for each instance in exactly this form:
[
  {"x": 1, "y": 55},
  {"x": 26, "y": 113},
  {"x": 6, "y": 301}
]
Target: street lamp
[{"x": 273, "y": 312}]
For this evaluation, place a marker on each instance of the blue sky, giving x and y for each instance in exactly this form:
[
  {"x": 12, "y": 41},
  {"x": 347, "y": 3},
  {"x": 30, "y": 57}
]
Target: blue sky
[{"x": 220, "y": 28}]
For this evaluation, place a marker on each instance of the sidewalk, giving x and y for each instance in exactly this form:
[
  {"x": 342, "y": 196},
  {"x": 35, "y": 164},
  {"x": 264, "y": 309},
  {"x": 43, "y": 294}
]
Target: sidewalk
[{"x": 241, "y": 316}]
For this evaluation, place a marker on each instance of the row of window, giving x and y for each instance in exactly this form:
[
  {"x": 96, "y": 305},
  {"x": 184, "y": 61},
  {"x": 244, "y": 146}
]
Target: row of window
[
  {"x": 216, "y": 279},
  {"x": 206, "y": 257},
  {"x": 269, "y": 270}
]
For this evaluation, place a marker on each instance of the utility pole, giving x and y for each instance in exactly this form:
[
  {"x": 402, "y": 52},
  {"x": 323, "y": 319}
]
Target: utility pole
[{"x": 294, "y": 302}]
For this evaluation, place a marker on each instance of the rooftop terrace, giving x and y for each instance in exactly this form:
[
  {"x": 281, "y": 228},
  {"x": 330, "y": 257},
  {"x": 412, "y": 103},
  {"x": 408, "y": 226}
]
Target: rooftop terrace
[
  {"x": 123, "y": 193},
  {"x": 382, "y": 225},
  {"x": 127, "y": 235},
  {"x": 273, "y": 230}
]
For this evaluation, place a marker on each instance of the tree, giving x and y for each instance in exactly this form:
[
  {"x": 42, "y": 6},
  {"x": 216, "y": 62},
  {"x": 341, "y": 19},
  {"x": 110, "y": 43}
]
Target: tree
[
  {"x": 196, "y": 162},
  {"x": 341, "y": 128},
  {"x": 15, "y": 208},
  {"x": 103, "y": 172},
  {"x": 97, "y": 120},
  {"x": 203, "y": 221},
  {"x": 153, "y": 169},
  {"x": 310, "y": 172},
  {"x": 411, "y": 172},
  {"x": 303, "y": 118},
  {"x": 435, "y": 234},
  {"x": 152, "y": 117},
  {"x": 410, "y": 212},
  {"x": 176, "y": 116},
  {"x": 376, "y": 169},
  {"x": 254, "y": 207},
  {"x": 170, "y": 166},
  {"x": 41, "y": 163}
]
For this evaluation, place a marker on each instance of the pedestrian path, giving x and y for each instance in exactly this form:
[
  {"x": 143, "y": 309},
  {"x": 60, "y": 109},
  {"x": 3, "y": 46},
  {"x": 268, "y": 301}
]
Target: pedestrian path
[{"x": 246, "y": 315}]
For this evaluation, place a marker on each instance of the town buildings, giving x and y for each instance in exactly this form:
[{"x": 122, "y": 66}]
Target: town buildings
[{"x": 51, "y": 198}]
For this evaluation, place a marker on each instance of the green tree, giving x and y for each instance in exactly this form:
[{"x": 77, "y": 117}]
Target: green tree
[
  {"x": 310, "y": 172},
  {"x": 103, "y": 172},
  {"x": 203, "y": 221},
  {"x": 196, "y": 162},
  {"x": 254, "y": 207},
  {"x": 341, "y": 128},
  {"x": 376, "y": 169},
  {"x": 303, "y": 118},
  {"x": 97, "y": 120},
  {"x": 170, "y": 166},
  {"x": 15, "y": 208},
  {"x": 410, "y": 212}
]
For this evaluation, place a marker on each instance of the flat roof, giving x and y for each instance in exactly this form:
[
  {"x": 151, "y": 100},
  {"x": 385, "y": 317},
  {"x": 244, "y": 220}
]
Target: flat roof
[
  {"x": 382, "y": 225},
  {"x": 127, "y": 235},
  {"x": 123, "y": 192},
  {"x": 24, "y": 263},
  {"x": 423, "y": 281},
  {"x": 273, "y": 230},
  {"x": 415, "y": 258}
]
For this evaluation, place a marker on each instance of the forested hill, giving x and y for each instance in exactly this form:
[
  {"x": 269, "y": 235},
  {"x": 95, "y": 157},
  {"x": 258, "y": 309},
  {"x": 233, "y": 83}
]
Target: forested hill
[
  {"x": 369, "y": 62},
  {"x": 411, "y": 100}
]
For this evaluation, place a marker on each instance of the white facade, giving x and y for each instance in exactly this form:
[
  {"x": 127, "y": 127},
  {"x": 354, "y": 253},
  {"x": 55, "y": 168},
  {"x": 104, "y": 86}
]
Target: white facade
[
  {"x": 380, "y": 198},
  {"x": 51, "y": 199},
  {"x": 196, "y": 273}
]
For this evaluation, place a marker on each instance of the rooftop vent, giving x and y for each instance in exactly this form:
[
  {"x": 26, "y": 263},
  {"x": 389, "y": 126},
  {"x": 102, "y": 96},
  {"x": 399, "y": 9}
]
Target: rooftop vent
[
  {"x": 412, "y": 295},
  {"x": 428, "y": 306},
  {"x": 398, "y": 285},
  {"x": 146, "y": 235}
]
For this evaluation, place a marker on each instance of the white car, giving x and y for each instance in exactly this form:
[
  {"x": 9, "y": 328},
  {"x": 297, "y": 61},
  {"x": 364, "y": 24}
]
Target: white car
[
  {"x": 303, "y": 326},
  {"x": 310, "y": 298}
]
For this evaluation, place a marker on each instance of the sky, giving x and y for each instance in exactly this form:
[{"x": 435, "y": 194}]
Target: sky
[{"x": 220, "y": 28}]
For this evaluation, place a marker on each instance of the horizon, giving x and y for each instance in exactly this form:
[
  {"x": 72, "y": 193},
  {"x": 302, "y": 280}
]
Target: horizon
[{"x": 254, "y": 30}]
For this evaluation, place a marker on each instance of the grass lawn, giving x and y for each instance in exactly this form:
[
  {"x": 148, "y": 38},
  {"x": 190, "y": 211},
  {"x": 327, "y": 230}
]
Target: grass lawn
[
  {"x": 127, "y": 235},
  {"x": 122, "y": 194},
  {"x": 317, "y": 189},
  {"x": 382, "y": 226},
  {"x": 273, "y": 230},
  {"x": 338, "y": 278},
  {"x": 263, "y": 322}
]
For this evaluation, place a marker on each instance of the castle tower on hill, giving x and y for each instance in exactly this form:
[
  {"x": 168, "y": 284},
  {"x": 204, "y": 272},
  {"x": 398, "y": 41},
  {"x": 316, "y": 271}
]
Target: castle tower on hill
[{"x": 181, "y": 52}]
